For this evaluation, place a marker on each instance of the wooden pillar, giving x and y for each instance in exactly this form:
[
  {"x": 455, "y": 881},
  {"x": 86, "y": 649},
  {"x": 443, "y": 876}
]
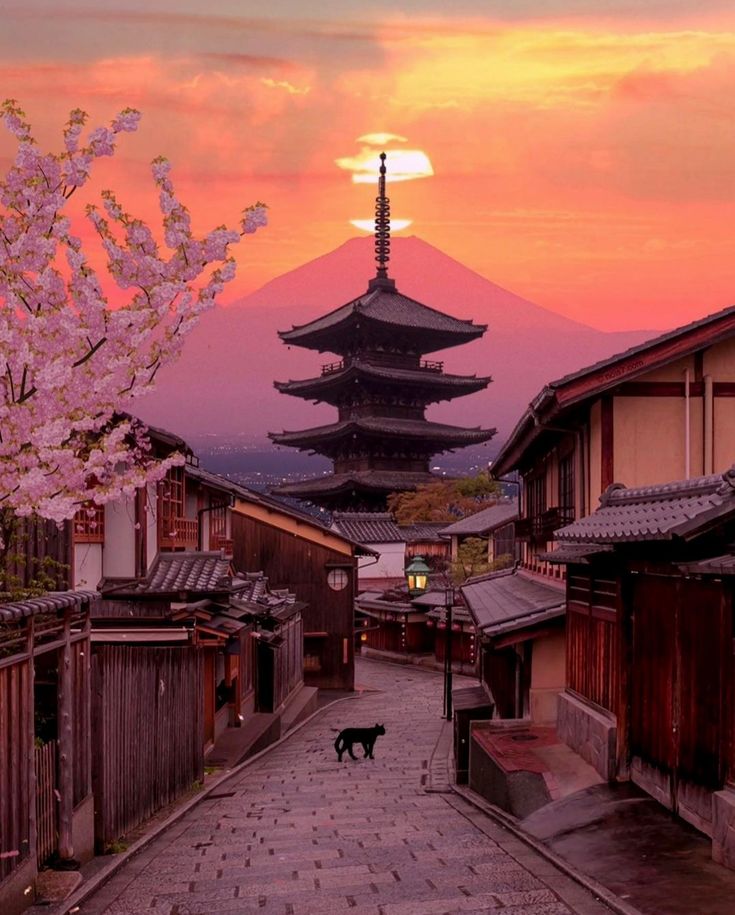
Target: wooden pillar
[
  {"x": 607, "y": 442},
  {"x": 66, "y": 746}
]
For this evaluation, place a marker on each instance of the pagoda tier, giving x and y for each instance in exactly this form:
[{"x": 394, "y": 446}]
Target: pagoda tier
[
  {"x": 364, "y": 490},
  {"x": 350, "y": 383},
  {"x": 411, "y": 435},
  {"x": 383, "y": 321}
]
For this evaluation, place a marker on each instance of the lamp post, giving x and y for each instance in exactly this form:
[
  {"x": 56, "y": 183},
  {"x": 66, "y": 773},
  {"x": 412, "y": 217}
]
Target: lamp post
[{"x": 417, "y": 579}]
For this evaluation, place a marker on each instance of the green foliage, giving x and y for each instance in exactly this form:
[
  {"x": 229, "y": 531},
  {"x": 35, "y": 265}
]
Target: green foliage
[
  {"x": 472, "y": 559},
  {"x": 445, "y": 500},
  {"x": 18, "y": 578},
  {"x": 116, "y": 848}
]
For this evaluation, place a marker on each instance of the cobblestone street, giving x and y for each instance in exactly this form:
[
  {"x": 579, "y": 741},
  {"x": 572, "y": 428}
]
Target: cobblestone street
[{"x": 297, "y": 832}]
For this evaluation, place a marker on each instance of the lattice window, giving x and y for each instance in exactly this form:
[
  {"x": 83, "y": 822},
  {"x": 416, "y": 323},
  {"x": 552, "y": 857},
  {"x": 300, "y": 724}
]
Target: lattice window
[
  {"x": 89, "y": 524},
  {"x": 567, "y": 488}
]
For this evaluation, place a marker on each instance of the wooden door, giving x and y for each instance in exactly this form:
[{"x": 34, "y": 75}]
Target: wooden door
[
  {"x": 209, "y": 697},
  {"x": 678, "y": 695}
]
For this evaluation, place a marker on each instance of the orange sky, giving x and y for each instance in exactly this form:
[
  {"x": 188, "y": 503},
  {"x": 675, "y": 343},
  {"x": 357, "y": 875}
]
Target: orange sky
[{"x": 583, "y": 161}]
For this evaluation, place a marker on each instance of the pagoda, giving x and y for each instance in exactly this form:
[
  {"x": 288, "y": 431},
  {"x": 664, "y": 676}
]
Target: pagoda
[{"x": 381, "y": 386}]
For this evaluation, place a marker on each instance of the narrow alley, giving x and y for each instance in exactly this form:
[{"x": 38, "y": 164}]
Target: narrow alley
[{"x": 297, "y": 832}]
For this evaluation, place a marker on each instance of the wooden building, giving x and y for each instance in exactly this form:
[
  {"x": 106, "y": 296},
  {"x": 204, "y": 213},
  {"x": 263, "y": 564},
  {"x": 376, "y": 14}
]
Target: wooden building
[
  {"x": 495, "y": 524},
  {"x": 643, "y": 415},
  {"x": 519, "y": 620},
  {"x": 650, "y": 666},
  {"x": 381, "y": 385},
  {"x": 319, "y": 565},
  {"x": 181, "y": 660},
  {"x": 46, "y": 808},
  {"x": 185, "y": 511}
]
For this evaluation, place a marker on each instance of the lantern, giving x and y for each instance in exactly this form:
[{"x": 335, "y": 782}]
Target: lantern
[{"x": 417, "y": 576}]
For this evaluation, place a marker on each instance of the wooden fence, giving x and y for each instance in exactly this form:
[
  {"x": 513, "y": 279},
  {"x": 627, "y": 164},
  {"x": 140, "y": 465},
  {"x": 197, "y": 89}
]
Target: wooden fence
[
  {"x": 37, "y": 540},
  {"x": 47, "y": 805},
  {"x": 147, "y": 719}
]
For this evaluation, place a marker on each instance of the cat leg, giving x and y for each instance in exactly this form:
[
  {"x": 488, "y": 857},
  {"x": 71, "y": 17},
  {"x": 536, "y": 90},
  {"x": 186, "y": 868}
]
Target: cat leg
[{"x": 349, "y": 750}]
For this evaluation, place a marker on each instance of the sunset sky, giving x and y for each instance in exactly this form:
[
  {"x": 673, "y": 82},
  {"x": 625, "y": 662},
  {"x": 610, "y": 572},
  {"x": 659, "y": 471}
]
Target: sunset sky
[{"x": 580, "y": 153}]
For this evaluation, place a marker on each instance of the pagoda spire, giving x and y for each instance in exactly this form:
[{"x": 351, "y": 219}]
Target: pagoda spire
[{"x": 382, "y": 233}]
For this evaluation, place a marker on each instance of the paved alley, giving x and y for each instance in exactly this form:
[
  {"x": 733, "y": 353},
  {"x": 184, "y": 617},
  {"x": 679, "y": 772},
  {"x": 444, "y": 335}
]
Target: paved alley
[{"x": 299, "y": 833}]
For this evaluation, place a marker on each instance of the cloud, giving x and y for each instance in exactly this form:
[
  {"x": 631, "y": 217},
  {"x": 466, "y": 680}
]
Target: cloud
[
  {"x": 381, "y": 139},
  {"x": 285, "y": 86}
]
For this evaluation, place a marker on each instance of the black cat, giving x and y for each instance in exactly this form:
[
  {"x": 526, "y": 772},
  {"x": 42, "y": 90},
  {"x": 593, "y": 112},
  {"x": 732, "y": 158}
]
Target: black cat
[{"x": 365, "y": 736}]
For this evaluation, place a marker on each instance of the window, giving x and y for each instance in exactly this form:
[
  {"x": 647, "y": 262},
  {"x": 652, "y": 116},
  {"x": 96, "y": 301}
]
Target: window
[
  {"x": 338, "y": 579},
  {"x": 567, "y": 499}
]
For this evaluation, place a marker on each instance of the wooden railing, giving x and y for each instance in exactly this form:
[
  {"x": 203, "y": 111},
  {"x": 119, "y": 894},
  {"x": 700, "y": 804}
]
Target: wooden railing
[
  {"x": 431, "y": 366},
  {"x": 46, "y": 802},
  {"x": 331, "y": 367},
  {"x": 178, "y": 534},
  {"x": 218, "y": 542},
  {"x": 540, "y": 528}
]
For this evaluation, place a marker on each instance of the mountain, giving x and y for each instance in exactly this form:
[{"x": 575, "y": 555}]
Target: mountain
[{"x": 223, "y": 382}]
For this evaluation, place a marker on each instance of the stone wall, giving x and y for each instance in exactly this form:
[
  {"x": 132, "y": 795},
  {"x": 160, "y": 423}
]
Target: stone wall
[{"x": 590, "y": 732}]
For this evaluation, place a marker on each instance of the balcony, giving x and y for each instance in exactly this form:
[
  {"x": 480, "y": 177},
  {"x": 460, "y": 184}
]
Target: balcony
[
  {"x": 331, "y": 368},
  {"x": 429, "y": 366},
  {"x": 541, "y": 528},
  {"x": 178, "y": 534}
]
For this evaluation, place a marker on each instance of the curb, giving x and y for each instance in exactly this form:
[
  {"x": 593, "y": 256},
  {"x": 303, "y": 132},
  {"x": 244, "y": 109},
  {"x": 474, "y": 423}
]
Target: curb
[
  {"x": 91, "y": 886},
  {"x": 506, "y": 821}
]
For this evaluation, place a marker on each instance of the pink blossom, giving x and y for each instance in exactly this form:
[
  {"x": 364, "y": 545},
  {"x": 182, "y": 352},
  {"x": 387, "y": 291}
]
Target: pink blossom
[{"x": 72, "y": 364}]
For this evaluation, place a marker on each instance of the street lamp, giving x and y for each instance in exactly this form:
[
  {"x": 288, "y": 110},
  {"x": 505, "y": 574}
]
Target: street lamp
[
  {"x": 417, "y": 576},
  {"x": 417, "y": 579}
]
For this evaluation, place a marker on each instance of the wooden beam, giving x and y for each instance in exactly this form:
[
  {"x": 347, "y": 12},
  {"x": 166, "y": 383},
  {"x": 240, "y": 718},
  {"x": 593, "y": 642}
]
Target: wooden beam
[{"x": 31, "y": 743}]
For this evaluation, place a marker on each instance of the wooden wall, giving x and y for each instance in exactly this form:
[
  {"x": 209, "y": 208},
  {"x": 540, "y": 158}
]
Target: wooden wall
[
  {"x": 36, "y": 540},
  {"x": 302, "y": 566},
  {"x": 593, "y": 636},
  {"x": 148, "y": 725},
  {"x": 16, "y": 748}
]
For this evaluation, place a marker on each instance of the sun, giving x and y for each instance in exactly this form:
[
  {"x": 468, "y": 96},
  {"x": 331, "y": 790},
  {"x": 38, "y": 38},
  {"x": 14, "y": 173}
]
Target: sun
[{"x": 402, "y": 165}]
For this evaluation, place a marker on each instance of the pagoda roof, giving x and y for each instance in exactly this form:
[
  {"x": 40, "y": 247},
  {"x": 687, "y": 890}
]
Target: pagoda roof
[
  {"x": 384, "y": 426},
  {"x": 446, "y": 386},
  {"x": 383, "y": 304},
  {"x": 377, "y": 481}
]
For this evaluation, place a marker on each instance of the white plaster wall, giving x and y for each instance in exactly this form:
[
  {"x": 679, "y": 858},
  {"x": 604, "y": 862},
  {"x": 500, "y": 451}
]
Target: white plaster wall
[
  {"x": 391, "y": 564},
  {"x": 118, "y": 560},
  {"x": 87, "y": 565}
]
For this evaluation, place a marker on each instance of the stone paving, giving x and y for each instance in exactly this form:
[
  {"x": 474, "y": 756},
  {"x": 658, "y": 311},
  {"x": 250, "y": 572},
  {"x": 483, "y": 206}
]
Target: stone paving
[{"x": 297, "y": 833}]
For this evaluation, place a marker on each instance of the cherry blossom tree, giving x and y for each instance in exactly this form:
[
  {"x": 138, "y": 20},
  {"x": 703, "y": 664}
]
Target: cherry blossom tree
[{"x": 73, "y": 360}]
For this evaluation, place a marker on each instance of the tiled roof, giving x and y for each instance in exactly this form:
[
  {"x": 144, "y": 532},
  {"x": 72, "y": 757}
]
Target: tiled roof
[
  {"x": 387, "y": 306},
  {"x": 271, "y": 503},
  {"x": 199, "y": 573},
  {"x": 679, "y": 509},
  {"x": 509, "y": 600},
  {"x": 14, "y": 611},
  {"x": 484, "y": 521},
  {"x": 384, "y": 426},
  {"x": 423, "y": 531},
  {"x": 368, "y": 527}
]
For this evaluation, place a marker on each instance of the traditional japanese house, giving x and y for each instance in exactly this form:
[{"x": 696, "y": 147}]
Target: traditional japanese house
[
  {"x": 650, "y": 668},
  {"x": 193, "y": 662},
  {"x": 519, "y": 620},
  {"x": 463, "y": 641},
  {"x": 381, "y": 385},
  {"x": 649, "y": 412},
  {"x": 495, "y": 524},
  {"x": 319, "y": 565},
  {"x": 185, "y": 511},
  {"x": 425, "y": 539},
  {"x": 46, "y": 808}
]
